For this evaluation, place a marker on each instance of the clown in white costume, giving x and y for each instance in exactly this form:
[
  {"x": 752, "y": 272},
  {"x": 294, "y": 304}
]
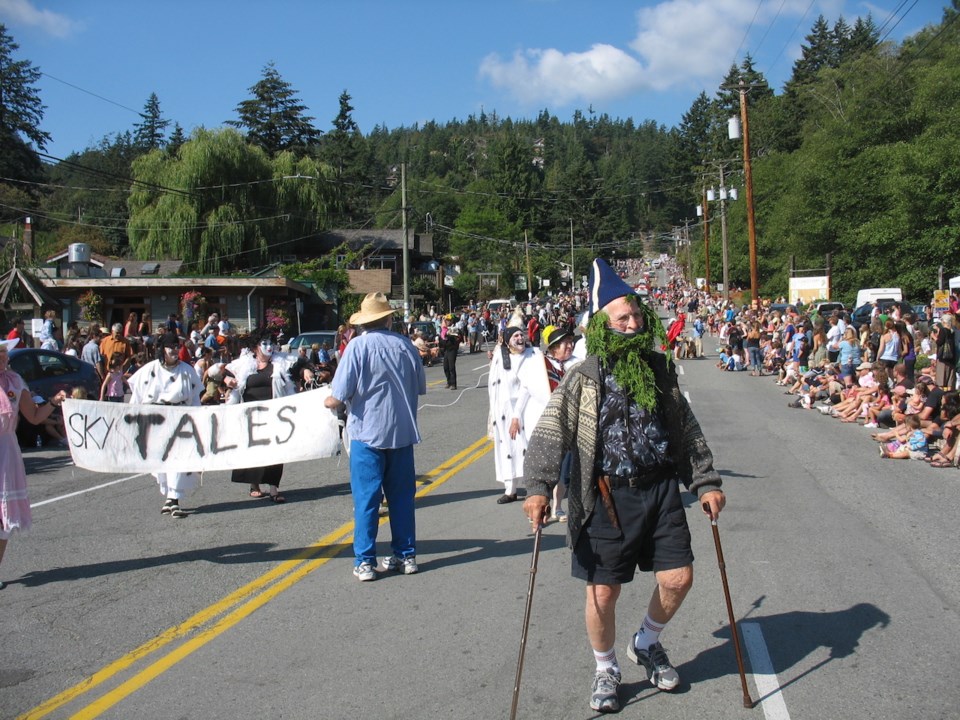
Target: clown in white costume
[
  {"x": 168, "y": 381},
  {"x": 518, "y": 393}
]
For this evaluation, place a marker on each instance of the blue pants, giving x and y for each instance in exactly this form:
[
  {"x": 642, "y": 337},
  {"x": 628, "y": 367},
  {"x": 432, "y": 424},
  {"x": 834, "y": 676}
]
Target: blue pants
[{"x": 375, "y": 473}]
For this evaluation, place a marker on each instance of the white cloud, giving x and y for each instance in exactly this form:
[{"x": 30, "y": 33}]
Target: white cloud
[
  {"x": 23, "y": 12},
  {"x": 555, "y": 77},
  {"x": 679, "y": 44}
]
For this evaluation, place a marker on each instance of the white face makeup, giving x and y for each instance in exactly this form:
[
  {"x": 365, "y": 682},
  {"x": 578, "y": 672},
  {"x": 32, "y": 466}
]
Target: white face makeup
[
  {"x": 170, "y": 356},
  {"x": 265, "y": 348},
  {"x": 517, "y": 341}
]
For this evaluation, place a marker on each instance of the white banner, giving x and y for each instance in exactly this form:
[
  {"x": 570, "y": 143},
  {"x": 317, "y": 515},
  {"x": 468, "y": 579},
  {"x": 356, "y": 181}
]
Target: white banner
[{"x": 115, "y": 437}]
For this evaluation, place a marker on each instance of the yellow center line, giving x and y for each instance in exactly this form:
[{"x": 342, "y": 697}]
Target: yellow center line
[{"x": 286, "y": 574}]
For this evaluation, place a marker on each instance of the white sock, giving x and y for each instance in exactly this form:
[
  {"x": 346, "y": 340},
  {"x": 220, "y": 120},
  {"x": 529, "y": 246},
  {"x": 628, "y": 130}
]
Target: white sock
[
  {"x": 607, "y": 661},
  {"x": 649, "y": 634}
]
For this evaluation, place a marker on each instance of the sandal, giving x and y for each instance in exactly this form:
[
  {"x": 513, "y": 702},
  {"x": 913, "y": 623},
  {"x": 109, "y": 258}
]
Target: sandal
[
  {"x": 941, "y": 463},
  {"x": 258, "y": 494},
  {"x": 278, "y": 498}
]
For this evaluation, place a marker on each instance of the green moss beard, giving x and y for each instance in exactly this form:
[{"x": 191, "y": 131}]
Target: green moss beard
[{"x": 626, "y": 355}]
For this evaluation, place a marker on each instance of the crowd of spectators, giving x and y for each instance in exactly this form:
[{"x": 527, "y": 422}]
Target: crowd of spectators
[{"x": 895, "y": 374}]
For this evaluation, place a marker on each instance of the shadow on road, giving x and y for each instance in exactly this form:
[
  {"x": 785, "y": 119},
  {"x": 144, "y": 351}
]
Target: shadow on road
[
  {"x": 432, "y": 554},
  {"x": 790, "y": 637}
]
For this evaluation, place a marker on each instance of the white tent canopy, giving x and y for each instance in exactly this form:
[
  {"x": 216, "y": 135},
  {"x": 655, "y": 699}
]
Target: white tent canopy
[{"x": 954, "y": 282}]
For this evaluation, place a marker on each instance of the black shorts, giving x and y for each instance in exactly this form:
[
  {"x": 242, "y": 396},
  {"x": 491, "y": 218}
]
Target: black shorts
[{"x": 653, "y": 536}]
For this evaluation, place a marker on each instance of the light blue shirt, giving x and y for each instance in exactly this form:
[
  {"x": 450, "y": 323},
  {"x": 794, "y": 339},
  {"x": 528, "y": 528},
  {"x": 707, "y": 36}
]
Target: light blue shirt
[{"x": 379, "y": 378}]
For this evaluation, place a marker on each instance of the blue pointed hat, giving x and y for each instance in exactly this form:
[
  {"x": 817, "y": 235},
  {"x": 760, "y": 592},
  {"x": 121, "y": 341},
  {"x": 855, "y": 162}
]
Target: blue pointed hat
[{"x": 605, "y": 286}]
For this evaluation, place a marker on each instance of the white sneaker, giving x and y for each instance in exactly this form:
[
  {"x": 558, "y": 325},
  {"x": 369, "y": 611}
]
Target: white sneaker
[
  {"x": 364, "y": 572},
  {"x": 870, "y": 425},
  {"x": 407, "y": 565}
]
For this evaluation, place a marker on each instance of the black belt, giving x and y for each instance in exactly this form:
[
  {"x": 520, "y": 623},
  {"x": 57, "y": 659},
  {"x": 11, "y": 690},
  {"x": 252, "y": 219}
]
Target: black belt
[{"x": 647, "y": 479}]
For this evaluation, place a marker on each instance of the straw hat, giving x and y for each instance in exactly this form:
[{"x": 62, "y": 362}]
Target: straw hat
[{"x": 374, "y": 306}]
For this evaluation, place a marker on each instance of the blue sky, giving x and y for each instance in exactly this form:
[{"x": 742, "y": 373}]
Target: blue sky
[{"x": 408, "y": 62}]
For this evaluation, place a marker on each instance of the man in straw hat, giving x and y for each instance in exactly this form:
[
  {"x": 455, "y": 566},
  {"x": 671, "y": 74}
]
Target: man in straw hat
[
  {"x": 379, "y": 378},
  {"x": 633, "y": 436}
]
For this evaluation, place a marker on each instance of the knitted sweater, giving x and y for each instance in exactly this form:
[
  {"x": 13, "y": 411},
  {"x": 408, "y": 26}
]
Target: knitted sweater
[{"x": 570, "y": 423}]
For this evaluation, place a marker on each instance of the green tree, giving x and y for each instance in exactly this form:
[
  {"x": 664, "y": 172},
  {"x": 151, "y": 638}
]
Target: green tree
[
  {"x": 222, "y": 204},
  {"x": 274, "y": 117},
  {"x": 340, "y": 147},
  {"x": 89, "y": 199},
  {"x": 149, "y": 134},
  {"x": 177, "y": 138},
  {"x": 21, "y": 113},
  {"x": 343, "y": 150}
]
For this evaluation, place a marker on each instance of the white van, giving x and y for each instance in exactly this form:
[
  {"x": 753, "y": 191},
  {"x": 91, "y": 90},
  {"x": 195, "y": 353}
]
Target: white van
[{"x": 868, "y": 295}]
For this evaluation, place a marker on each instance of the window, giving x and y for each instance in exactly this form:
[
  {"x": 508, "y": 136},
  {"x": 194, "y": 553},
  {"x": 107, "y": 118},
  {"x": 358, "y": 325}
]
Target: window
[
  {"x": 52, "y": 365},
  {"x": 25, "y": 367}
]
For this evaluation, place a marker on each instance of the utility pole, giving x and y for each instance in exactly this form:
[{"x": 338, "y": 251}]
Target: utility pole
[
  {"x": 573, "y": 276},
  {"x": 706, "y": 238},
  {"x": 723, "y": 237},
  {"x": 748, "y": 181},
  {"x": 406, "y": 243},
  {"x": 526, "y": 247}
]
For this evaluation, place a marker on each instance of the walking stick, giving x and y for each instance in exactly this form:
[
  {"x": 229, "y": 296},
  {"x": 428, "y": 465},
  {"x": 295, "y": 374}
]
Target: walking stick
[
  {"x": 747, "y": 702},
  {"x": 526, "y": 618}
]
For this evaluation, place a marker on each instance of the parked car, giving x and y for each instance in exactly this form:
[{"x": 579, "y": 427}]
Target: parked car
[
  {"x": 826, "y": 309},
  {"x": 426, "y": 327},
  {"x": 862, "y": 314},
  {"x": 47, "y": 372},
  {"x": 500, "y": 306},
  {"x": 317, "y": 336}
]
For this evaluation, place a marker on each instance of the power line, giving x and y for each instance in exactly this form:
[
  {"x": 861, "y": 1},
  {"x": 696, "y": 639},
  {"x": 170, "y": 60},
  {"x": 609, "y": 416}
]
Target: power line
[
  {"x": 747, "y": 31},
  {"x": 766, "y": 32},
  {"x": 894, "y": 26},
  {"x": 114, "y": 176},
  {"x": 786, "y": 44},
  {"x": 93, "y": 94}
]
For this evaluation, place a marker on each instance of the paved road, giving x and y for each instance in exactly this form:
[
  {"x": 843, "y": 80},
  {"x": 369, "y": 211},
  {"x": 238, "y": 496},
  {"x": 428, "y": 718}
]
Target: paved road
[{"x": 840, "y": 565}]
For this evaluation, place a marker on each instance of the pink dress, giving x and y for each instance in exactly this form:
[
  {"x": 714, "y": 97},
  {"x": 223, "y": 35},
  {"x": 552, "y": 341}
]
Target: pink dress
[{"x": 14, "y": 504}]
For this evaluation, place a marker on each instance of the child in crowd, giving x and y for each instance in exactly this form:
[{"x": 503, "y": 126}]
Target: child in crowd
[
  {"x": 112, "y": 389},
  {"x": 915, "y": 446}
]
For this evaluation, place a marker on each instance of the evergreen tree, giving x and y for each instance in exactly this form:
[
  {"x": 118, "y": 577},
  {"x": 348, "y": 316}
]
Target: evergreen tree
[
  {"x": 177, "y": 138},
  {"x": 342, "y": 150},
  {"x": 274, "y": 117},
  {"x": 149, "y": 134},
  {"x": 340, "y": 146},
  {"x": 819, "y": 52},
  {"x": 863, "y": 37},
  {"x": 21, "y": 113}
]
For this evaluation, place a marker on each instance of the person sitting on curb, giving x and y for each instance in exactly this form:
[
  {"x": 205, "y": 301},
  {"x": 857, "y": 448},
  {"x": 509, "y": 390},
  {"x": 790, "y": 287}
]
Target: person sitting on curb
[{"x": 913, "y": 448}]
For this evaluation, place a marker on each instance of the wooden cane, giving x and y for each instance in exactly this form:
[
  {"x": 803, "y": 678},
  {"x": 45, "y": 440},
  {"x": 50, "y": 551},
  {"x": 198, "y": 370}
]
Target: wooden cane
[
  {"x": 526, "y": 619},
  {"x": 747, "y": 702}
]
